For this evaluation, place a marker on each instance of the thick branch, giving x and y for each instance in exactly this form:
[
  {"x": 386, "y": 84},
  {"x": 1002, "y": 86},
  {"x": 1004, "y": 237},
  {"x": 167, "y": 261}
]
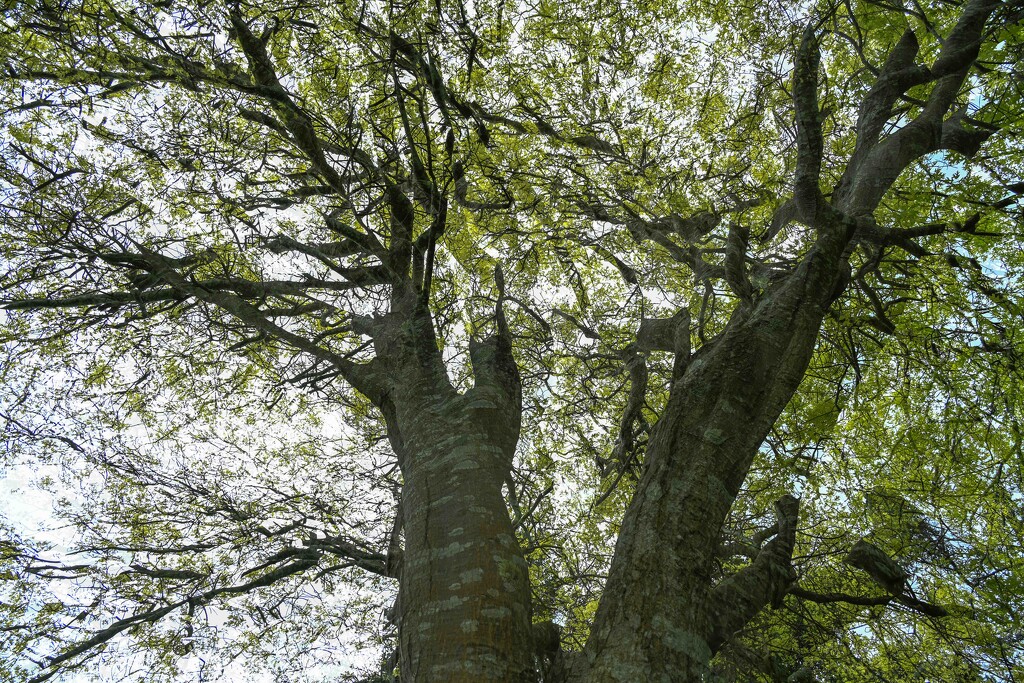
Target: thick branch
[
  {"x": 622, "y": 452},
  {"x": 898, "y": 74},
  {"x": 828, "y": 598},
  {"x": 736, "y": 600},
  {"x": 496, "y": 397},
  {"x": 298, "y": 123},
  {"x": 246, "y": 289},
  {"x": 888, "y": 574},
  {"x": 807, "y": 195},
  {"x": 362, "y": 377},
  {"x": 665, "y": 334},
  {"x": 876, "y": 166},
  {"x": 735, "y": 262}
]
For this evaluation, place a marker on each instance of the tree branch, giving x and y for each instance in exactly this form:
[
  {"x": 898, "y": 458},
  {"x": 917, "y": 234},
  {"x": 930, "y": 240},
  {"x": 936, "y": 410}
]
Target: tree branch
[
  {"x": 875, "y": 166},
  {"x": 737, "y": 599},
  {"x": 807, "y": 196}
]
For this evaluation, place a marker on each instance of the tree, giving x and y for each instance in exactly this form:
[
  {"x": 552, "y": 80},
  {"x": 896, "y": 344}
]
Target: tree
[{"x": 731, "y": 288}]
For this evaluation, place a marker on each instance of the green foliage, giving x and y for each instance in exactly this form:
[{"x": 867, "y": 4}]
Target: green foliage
[{"x": 190, "y": 453}]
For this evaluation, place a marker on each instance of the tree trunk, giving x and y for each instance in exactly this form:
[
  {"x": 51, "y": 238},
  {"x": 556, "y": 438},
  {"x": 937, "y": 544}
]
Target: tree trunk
[
  {"x": 463, "y": 607},
  {"x": 464, "y": 596},
  {"x": 659, "y": 613}
]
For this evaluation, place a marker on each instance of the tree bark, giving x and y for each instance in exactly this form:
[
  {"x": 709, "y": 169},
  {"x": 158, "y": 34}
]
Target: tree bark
[
  {"x": 654, "y": 621},
  {"x": 661, "y": 618},
  {"x": 464, "y": 596},
  {"x": 463, "y": 606}
]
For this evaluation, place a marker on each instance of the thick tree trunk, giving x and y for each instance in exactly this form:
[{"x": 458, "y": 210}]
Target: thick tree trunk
[
  {"x": 464, "y": 596},
  {"x": 660, "y": 617},
  {"x": 656, "y": 622},
  {"x": 463, "y": 607}
]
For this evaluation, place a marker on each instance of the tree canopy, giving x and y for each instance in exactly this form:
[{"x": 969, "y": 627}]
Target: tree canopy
[{"x": 673, "y": 340}]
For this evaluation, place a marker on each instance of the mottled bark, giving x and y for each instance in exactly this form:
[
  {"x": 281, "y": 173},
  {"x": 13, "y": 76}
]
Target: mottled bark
[
  {"x": 766, "y": 580},
  {"x": 463, "y": 609},
  {"x": 807, "y": 197},
  {"x": 654, "y": 622},
  {"x": 877, "y": 163},
  {"x": 661, "y": 618}
]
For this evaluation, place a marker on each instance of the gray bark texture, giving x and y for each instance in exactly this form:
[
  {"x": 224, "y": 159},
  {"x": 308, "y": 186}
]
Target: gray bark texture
[
  {"x": 661, "y": 618},
  {"x": 463, "y": 608}
]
